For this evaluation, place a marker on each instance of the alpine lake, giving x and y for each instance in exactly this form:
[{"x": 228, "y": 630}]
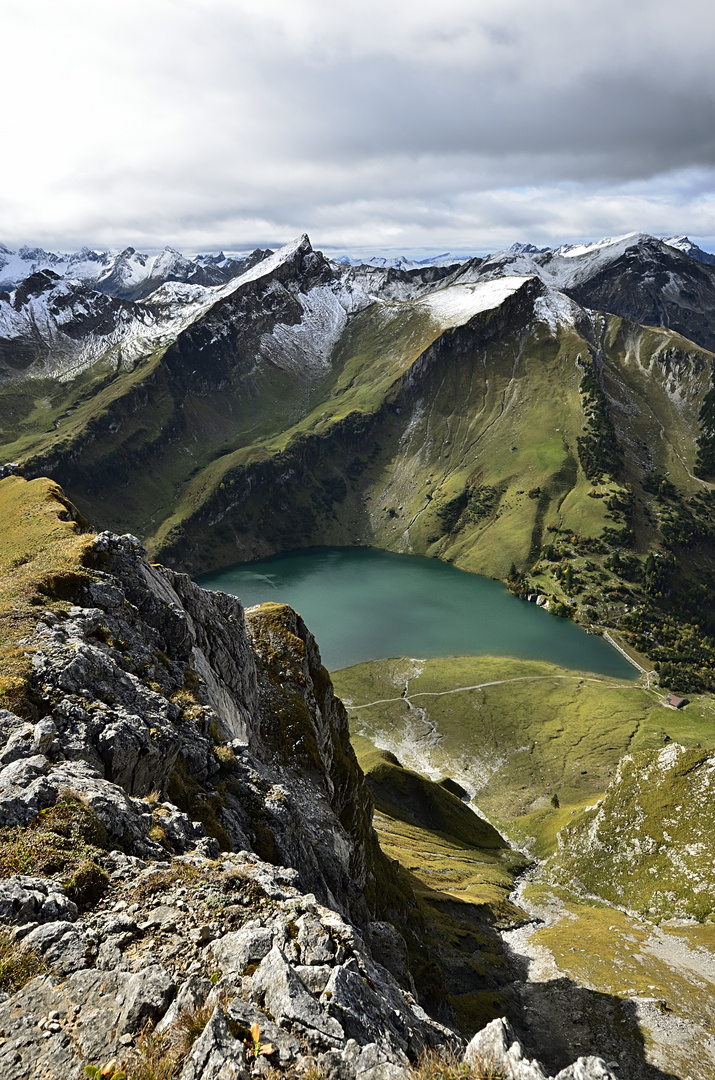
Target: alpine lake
[{"x": 364, "y": 604}]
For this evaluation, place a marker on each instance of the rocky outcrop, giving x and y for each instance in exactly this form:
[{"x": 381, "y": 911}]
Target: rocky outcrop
[
  {"x": 200, "y": 763},
  {"x": 496, "y": 1051},
  {"x": 234, "y": 940},
  {"x": 162, "y": 705}
]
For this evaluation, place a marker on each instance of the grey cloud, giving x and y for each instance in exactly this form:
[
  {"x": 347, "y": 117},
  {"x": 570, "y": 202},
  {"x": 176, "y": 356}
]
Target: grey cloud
[{"x": 222, "y": 123}]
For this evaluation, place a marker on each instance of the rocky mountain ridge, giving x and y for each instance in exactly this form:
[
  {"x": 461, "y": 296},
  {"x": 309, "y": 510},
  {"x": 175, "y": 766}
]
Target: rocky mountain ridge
[
  {"x": 127, "y": 274},
  {"x": 462, "y": 412},
  {"x": 183, "y": 787}
]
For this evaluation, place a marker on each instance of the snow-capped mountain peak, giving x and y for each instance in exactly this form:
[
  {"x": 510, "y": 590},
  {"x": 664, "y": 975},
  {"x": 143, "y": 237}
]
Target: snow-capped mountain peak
[{"x": 686, "y": 245}]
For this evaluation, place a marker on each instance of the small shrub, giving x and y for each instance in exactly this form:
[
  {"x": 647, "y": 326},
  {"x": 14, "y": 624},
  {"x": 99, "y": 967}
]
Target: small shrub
[
  {"x": 87, "y": 885},
  {"x": 191, "y": 1024},
  {"x": 255, "y": 1047},
  {"x": 111, "y": 1071},
  {"x": 434, "y": 1065},
  {"x": 226, "y": 759},
  {"x": 155, "y": 1058},
  {"x": 157, "y": 834}
]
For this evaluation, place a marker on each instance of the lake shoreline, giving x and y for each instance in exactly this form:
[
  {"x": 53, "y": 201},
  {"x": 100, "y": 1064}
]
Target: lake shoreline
[{"x": 366, "y": 604}]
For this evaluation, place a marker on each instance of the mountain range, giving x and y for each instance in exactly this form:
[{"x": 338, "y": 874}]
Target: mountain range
[
  {"x": 470, "y": 412},
  {"x": 178, "y": 772}
]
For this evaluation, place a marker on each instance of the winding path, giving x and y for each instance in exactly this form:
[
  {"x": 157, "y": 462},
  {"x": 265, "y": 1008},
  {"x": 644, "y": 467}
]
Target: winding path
[{"x": 480, "y": 686}]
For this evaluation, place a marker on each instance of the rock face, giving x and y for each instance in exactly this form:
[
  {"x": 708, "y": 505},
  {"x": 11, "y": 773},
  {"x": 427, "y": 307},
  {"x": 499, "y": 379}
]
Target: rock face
[
  {"x": 496, "y": 1051},
  {"x": 154, "y": 687},
  {"x": 236, "y": 829},
  {"x": 223, "y": 918}
]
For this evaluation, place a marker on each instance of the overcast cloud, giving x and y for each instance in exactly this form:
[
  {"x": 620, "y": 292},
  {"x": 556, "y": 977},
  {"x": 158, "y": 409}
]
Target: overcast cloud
[{"x": 371, "y": 124}]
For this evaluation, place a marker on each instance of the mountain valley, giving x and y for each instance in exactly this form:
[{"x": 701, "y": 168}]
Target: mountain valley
[{"x": 541, "y": 846}]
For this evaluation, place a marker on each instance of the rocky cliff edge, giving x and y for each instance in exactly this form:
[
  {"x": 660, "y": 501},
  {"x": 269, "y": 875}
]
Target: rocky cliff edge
[{"x": 189, "y": 879}]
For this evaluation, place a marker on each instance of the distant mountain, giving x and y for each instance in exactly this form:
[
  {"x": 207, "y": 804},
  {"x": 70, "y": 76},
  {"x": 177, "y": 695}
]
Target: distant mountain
[
  {"x": 682, "y": 243},
  {"x": 636, "y": 276},
  {"x": 127, "y": 274},
  {"x": 402, "y": 262}
]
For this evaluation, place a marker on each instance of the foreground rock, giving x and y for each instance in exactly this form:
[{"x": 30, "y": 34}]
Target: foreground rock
[
  {"x": 496, "y": 1051},
  {"x": 170, "y": 727},
  {"x": 206, "y": 888},
  {"x": 232, "y": 937}
]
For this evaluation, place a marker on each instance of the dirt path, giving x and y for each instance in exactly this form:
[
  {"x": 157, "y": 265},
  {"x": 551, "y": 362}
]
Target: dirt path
[{"x": 480, "y": 686}]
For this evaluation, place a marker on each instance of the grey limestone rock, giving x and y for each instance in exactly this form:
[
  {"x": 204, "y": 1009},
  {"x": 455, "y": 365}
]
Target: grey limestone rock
[
  {"x": 362, "y": 1012},
  {"x": 20, "y": 743},
  {"x": 25, "y": 899},
  {"x": 288, "y": 1048},
  {"x": 281, "y": 992},
  {"x": 88, "y": 1005},
  {"x": 147, "y": 996},
  {"x": 43, "y": 736},
  {"x": 62, "y": 945},
  {"x": 314, "y": 976},
  {"x": 21, "y": 772},
  {"x": 191, "y": 995},
  {"x": 390, "y": 946},
  {"x": 586, "y": 1068},
  {"x": 316, "y": 945},
  {"x": 496, "y": 1047},
  {"x": 216, "y": 1055},
  {"x": 369, "y": 1062},
  {"x": 235, "y": 951}
]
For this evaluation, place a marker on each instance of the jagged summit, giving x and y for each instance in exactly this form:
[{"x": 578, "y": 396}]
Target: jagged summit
[{"x": 682, "y": 243}]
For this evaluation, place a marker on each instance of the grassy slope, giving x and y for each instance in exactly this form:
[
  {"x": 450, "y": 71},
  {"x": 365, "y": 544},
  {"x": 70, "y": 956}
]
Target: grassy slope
[
  {"x": 436, "y": 836},
  {"x": 500, "y": 412},
  {"x": 607, "y": 954},
  {"x": 378, "y": 347},
  {"x": 516, "y": 744},
  {"x": 461, "y": 874},
  {"x": 409, "y": 419},
  {"x": 647, "y": 845},
  {"x": 42, "y": 543}
]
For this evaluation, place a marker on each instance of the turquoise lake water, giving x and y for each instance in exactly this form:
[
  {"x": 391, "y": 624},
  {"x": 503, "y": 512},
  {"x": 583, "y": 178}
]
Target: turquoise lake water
[{"x": 363, "y": 604}]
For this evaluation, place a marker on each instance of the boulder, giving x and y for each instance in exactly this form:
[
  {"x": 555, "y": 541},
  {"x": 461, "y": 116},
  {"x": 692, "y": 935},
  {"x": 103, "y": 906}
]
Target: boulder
[
  {"x": 147, "y": 996},
  {"x": 216, "y": 1055},
  {"x": 235, "y": 951},
  {"x": 278, "y": 988},
  {"x": 25, "y": 899}
]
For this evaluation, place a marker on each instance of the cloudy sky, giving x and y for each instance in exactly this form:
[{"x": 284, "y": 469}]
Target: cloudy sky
[{"x": 404, "y": 125}]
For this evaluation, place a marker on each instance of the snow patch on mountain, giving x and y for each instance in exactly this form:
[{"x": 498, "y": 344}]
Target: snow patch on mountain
[
  {"x": 307, "y": 346},
  {"x": 267, "y": 266},
  {"x": 557, "y": 310},
  {"x": 562, "y": 269},
  {"x": 456, "y": 305},
  {"x": 572, "y": 251},
  {"x": 686, "y": 245}
]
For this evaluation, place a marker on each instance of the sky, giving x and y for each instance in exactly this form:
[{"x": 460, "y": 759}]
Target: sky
[{"x": 412, "y": 126}]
